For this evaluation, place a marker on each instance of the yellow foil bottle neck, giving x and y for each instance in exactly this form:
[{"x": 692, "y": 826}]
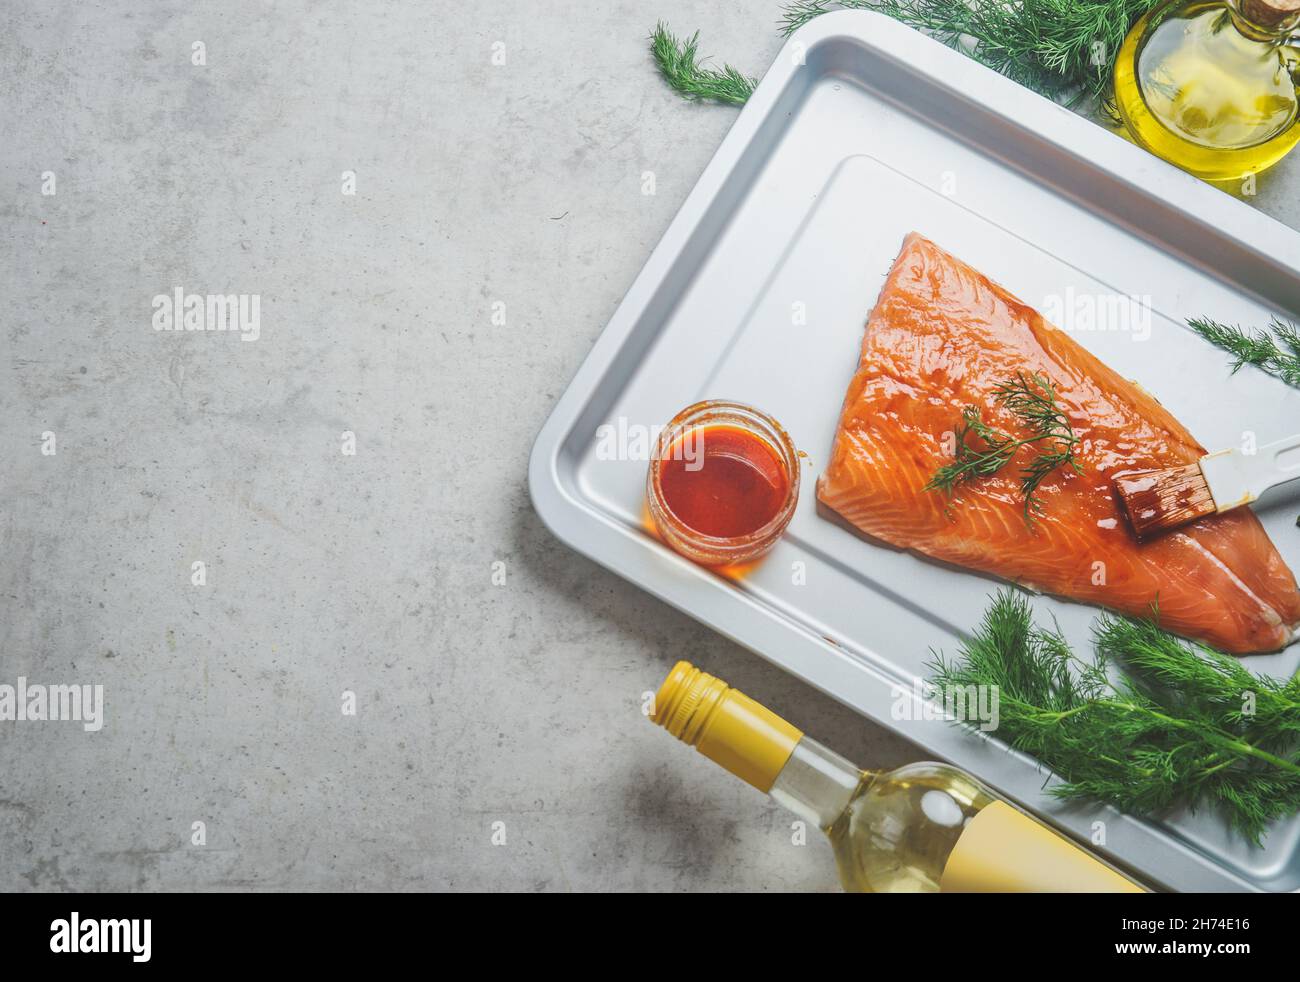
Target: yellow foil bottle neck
[{"x": 726, "y": 726}]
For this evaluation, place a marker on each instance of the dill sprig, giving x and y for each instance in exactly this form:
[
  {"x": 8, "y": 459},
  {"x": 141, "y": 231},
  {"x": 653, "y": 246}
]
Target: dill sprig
[
  {"x": 972, "y": 461},
  {"x": 677, "y": 63},
  {"x": 1060, "y": 48},
  {"x": 1183, "y": 725},
  {"x": 1032, "y": 398},
  {"x": 1276, "y": 349}
]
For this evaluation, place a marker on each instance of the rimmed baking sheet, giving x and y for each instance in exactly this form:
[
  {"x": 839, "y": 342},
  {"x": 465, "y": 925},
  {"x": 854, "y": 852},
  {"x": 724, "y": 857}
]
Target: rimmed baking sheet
[{"x": 862, "y": 131}]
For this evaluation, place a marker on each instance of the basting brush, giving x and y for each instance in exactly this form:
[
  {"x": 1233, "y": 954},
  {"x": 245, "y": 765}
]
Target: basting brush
[{"x": 1159, "y": 501}]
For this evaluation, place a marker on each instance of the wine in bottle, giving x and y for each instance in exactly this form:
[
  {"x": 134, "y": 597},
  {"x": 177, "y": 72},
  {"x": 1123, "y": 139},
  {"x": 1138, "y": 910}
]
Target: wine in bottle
[{"x": 920, "y": 828}]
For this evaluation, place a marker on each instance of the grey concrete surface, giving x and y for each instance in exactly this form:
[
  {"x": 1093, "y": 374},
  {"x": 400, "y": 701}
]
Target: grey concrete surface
[{"x": 476, "y": 185}]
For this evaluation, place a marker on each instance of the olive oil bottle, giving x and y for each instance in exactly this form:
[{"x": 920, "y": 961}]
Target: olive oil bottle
[
  {"x": 1210, "y": 85},
  {"x": 918, "y": 829}
]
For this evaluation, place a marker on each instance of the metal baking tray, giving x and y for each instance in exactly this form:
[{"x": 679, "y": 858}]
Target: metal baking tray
[{"x": 862, "y": 131}]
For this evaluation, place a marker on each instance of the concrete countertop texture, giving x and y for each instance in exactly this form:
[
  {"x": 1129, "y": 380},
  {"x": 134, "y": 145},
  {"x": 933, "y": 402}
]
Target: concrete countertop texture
[{"x": 435, "y": 315}]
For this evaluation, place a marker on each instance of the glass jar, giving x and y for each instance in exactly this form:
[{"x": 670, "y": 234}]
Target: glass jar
[
  {"x": 1211, "y": 85},
  {"x": 755, "y": 471}
]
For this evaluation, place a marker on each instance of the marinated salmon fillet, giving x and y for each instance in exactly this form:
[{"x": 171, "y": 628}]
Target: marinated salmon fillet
[{"x": 941, "y": 337}]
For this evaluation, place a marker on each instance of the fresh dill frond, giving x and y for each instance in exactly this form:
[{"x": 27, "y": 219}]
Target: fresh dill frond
[
  {"x": 1032, "y": 398},
  {"x": 1063, "y": 49},
  {"x": 1288, "y": 334},
  {"x": 678, "y": 65},
  {"x": 1275, "y": 349},
  {"x": 797, "y": 13},
  {"x": 973, "y": 462},
  {"x": 1060, "y": 48},
  {"x": 1183, "y": 725}
]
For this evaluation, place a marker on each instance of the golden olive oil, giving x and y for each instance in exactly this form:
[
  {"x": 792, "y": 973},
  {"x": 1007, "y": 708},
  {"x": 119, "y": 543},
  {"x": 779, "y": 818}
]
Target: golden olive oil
[{"x": 1211, "y": 89}]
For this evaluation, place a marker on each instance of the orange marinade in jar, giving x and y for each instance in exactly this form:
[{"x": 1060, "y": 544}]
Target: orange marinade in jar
[{"x": 723, "y": 483}]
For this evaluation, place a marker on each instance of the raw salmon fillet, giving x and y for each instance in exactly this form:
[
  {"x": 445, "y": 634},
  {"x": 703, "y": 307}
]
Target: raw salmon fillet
[{"x": 941, "y": 337}]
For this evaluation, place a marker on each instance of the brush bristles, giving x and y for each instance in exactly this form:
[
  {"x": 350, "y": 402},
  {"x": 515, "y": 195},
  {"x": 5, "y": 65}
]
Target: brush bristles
[{"x": 1161, "y": 501}]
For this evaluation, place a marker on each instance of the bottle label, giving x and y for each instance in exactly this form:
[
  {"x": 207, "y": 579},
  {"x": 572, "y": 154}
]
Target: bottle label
[{"x": 1003, "y": 850}]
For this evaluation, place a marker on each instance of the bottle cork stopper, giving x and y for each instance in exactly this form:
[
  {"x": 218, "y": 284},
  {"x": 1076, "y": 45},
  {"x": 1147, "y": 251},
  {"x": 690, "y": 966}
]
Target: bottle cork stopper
[{"x": 1269, "y": 13}]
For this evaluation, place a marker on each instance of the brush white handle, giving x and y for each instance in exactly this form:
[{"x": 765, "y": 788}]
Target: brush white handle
[{"x": 1237, "y": 478}]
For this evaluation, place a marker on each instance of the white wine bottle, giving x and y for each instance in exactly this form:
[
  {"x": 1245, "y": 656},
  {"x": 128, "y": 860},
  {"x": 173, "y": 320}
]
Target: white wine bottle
[{"x": 920, "y": 828}]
